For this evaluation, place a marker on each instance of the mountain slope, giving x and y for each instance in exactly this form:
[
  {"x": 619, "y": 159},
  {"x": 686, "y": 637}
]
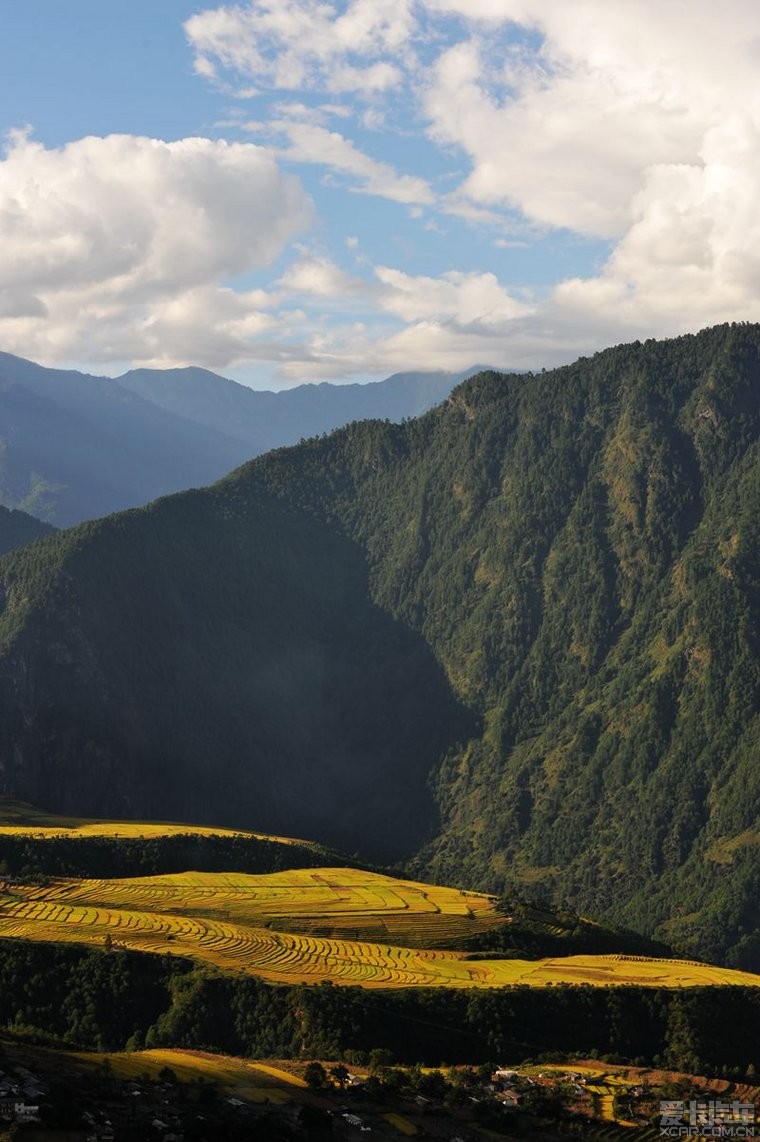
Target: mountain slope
[
  {"x": 217, "y": 656},
  {"x": 75, "y": 447},
  {"x": 18, "y": 528},
  {"x": 546, "y": 592}
]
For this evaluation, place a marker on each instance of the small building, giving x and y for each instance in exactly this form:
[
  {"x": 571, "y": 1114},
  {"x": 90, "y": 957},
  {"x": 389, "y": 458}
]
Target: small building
[{"x": 11, "y": 1107}]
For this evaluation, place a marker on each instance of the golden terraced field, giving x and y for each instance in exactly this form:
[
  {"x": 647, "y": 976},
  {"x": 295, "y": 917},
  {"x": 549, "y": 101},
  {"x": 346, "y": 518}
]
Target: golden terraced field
[
  {"x": 346, "y": 920},
  {"x": 21, "y": 820},
  {"x": 255, "y": 1082}
]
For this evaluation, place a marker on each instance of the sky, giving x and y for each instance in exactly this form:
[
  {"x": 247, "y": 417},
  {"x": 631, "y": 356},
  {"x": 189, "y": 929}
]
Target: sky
[{"x": 298, "y": 190}]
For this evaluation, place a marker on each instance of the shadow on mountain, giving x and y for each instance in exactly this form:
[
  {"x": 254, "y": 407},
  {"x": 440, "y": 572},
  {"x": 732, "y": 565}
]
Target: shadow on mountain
[{"x": 217, "y": 660}]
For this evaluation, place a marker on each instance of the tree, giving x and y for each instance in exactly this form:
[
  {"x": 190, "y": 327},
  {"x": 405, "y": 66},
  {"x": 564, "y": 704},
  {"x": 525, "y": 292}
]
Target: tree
[
  {"x": 380, "y": 1057},
  {"x": 433, "y": 1085},
  {"x": 340, "y": 1074},
  {"x": 315, "y": 1076}
]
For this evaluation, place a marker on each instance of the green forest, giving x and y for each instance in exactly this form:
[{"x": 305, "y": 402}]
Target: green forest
[{"x": 121, "y": 1000}]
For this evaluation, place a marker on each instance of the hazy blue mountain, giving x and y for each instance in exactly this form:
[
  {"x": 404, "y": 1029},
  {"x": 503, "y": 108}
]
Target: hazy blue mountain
[
  {"x": 75, "y": 446},
  {"x": 267, "y": 420}
]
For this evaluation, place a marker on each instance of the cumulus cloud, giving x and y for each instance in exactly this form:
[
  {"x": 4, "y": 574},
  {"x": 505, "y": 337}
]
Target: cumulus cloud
[
  {"x": 637, "y": 126},
  {"x": 305, "y": 44},
  {"x": 108, "y": 242},
  {"x": 450, "y": 321},
  {"x": 568, "y": 130},
  {"x": 318, "y": 277},
  {"x": 474, "y": 300}
]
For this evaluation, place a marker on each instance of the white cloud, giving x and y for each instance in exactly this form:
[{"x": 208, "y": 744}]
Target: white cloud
[
  {"x": 446, "y": 322},
  {"x": 475, "y": 300},
  {"x": 310, "y": 143},
  {"x": 636, "y": 123},
  {"x": 569, "y": 149},
  {"x": 305, "y": 44},
  {"x": 318, "y": 277},
  {"x": 107, "y": 240}
]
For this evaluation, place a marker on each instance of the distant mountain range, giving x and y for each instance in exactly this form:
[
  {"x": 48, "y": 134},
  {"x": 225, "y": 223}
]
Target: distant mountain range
[
  {"x": 75, "y": 447},
  {"x": 518, "y": 635}
]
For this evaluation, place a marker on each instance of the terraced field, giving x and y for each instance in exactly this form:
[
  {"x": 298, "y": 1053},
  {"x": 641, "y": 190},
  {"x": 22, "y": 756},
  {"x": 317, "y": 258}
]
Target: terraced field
[
  {"x": 237, "y": 922},
  {"x": 331, "y": 902},
  {"x": 255, "y": 1082},
  {"x": 221, "y": 915},
  {"x": 20, "y": 820}
]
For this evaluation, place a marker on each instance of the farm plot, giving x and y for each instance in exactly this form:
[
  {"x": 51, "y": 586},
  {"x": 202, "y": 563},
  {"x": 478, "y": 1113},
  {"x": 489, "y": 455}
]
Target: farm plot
[
  {"x": 253, "y": 1082},
  {"x": 219, "y": 919},
  {"x": 340, "y": 903},
  {"x": 20, "y": 820}
]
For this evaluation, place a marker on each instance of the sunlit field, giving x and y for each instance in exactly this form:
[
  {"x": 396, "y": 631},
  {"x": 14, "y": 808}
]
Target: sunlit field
[
  {"x": 334, "y": 902},
  {"x": 21, "y": 820},
  {"x": 236, "y": 922},
  {"x": 255, "y": 1082}
]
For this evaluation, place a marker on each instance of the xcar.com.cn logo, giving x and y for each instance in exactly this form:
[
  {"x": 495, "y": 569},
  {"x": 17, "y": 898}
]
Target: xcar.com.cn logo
[{"x": 713, "y": 1119}]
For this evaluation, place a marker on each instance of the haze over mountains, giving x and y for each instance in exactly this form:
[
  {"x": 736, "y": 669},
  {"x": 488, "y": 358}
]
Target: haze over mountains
[
  {"x": 518, "y": 635},
  {"x": 75, "y": 446}
]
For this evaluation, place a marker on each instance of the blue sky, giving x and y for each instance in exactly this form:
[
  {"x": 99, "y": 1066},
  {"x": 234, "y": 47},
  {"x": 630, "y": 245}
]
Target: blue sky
[{"x": 301, "y": 191}]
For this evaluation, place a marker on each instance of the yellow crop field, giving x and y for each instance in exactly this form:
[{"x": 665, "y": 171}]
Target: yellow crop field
[
  {"x": 21, "y": 820},
  {"x": 343, "y": 902},
  {"x": 403, "y": 1125},
  {"x": 236, "y": 922},
  {"x": 601, "y": 1084},
  {"x": 227, "y": 918},
  {"x": 255, "y": 1082}
]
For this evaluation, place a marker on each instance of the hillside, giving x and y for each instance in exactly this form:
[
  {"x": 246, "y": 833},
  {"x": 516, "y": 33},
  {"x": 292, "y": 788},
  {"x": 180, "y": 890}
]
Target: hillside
[
  {"x": 188, "y": 959},
  {"x": 543, "y": 595},
  {"x": 297, "y": 921},
  {"x": 75, "y": 446},
  {"x": 329, "y": 925},
  {"x": 18, "y": 528}
]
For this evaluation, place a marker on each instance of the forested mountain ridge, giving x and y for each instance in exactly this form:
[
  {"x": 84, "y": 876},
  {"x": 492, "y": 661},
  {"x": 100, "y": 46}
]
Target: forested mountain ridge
[
  {"x": 17, "y": 528},
  {"x": 544, "y": 593}
]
